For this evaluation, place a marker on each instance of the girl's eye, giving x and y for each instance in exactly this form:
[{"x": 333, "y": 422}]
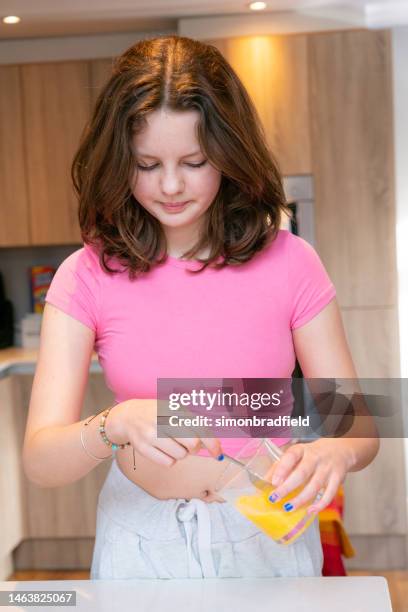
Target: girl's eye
[
  {"x": 197, "y": 165},
  {"x": 148, "y": 168}
]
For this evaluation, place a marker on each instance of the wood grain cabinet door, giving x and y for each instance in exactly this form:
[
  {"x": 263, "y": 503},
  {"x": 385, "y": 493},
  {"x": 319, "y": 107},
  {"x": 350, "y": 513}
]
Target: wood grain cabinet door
[
  {"x": 67, "y": 511},
  {"x": 56, "y": 108},
  {"x": 353, "y": 164},
  {"x": 100, "y": 71},
  {"x": 14, "y": 216},
  {"x": 353, "y": 155},
  {"x": 274, "y": 70},
  {"x": 12, "y": 519}
]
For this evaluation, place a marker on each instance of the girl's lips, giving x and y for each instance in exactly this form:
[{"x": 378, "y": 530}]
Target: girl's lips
[
  {"x": 174, "y": 207},
  {"x": 175, "y": 203}
]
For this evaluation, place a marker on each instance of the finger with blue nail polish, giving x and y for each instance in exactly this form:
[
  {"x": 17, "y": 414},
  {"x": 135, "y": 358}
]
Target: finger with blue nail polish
[
  {"x": 273, "y": 498},
  {"x": 277, "y": 480},
  {"x": 288, "y": 507}
]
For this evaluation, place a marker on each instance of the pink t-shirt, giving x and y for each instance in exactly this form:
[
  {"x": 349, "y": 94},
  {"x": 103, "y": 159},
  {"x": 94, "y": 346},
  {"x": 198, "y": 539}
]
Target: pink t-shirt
[{"x": 235, "y": 322}]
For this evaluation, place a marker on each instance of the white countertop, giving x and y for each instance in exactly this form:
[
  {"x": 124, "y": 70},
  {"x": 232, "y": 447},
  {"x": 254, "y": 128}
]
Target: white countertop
[
  {"x": 17, "y": 360},
  {"x": 340, "y": 594}
]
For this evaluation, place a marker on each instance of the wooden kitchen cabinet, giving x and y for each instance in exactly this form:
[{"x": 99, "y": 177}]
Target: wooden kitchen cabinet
[
  {"x": 100, "y": 71},
  {"x": 274, "y": 69},
  {"x": 325, "y": 101},
  {"x": 45, "y": 527},
  {"x": 12, "y": 515},
  {"x": 43, "y": 110},
  {"x": 67, "y": 511},
  {"x": 56, "y": 103},
  {"x": 351, "y": 110},
  {"x": 14, "y": 213},
  {"x": 375, "y": 498},
  {"x": 57, "y": 98},
  {"x": 353, "y": 164}
]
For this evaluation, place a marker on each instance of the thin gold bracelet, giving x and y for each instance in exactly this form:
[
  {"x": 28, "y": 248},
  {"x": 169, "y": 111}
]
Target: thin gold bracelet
[{"x": 86, "y": 450}]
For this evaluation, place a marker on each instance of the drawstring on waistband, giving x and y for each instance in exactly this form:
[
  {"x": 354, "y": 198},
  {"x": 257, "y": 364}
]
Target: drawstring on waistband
[{"x": 185, "y": 513}]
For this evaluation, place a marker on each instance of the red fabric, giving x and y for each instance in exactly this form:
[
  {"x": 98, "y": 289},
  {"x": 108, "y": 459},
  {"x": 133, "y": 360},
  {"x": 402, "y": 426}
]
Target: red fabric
[
  {"x": 335, "y": 542},
  {"x": 333, "y": 563}
]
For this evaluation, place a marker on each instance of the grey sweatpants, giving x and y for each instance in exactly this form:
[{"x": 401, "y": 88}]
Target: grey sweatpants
[{"x": 140, "y": 536}]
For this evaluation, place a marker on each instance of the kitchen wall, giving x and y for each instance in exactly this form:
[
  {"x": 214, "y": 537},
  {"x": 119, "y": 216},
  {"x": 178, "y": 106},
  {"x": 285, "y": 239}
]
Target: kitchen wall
[
  {"x": 400, "y": 77},
  {"x": 24, "y": 51}
]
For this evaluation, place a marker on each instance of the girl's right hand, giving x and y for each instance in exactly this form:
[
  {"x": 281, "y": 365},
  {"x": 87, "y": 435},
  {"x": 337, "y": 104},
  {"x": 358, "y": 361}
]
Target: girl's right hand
[{"x": 135, "y": 421}]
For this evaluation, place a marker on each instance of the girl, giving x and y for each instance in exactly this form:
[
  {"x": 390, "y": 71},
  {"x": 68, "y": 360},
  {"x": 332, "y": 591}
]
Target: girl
[{"x": 184, "y": 273}]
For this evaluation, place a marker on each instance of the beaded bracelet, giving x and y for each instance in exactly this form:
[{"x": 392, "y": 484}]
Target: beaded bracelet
[{"x": 105, "y": 438}]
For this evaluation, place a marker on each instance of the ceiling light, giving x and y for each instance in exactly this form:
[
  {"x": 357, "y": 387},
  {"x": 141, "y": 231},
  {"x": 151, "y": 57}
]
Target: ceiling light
[
  {"x": 11, "y": 19},
  {"x": 257, "y": 6}
]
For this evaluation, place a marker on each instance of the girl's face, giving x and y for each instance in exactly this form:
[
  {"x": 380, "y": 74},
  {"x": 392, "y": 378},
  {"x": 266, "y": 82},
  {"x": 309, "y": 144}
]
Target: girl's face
[{"x": 173, "y": 180}]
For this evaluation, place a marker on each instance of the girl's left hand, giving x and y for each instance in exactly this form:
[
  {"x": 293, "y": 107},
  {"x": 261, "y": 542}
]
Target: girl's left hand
[{"x": 322, "y": 464}]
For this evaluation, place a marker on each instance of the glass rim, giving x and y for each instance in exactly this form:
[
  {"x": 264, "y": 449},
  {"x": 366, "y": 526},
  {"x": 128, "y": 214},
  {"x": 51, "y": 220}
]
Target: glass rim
[{"x": 271, "y": 450}]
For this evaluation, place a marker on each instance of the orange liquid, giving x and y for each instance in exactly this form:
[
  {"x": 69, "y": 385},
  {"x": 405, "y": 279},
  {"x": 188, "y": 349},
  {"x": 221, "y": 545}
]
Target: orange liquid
[{"x": 272, "y": 518}]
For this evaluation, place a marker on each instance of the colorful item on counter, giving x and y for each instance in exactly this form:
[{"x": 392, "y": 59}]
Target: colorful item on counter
[
  {"x": 335, "y": 541},
  {"x": 40, "y": 281},
  {"x": 284, "y": 527}
]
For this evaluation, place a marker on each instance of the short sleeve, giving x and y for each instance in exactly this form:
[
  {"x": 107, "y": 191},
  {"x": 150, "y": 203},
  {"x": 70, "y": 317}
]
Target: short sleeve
[
  {"x": 75, "y": 287},
  {"x": 310, "y": 288}
]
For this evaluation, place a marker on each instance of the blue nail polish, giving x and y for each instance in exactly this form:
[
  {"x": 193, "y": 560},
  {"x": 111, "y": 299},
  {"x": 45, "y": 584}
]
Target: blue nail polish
[
  {"x": 220, "y": 457},
  {"x": 288, "y": 507},
  {"x": 273, "y": 498}
]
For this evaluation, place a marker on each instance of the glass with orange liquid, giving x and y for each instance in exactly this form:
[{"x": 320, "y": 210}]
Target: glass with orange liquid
[{"x": 238, "y": 485}]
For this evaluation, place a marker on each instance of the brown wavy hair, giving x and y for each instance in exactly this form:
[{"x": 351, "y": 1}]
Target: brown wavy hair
[{"x": 178, "y": 74}]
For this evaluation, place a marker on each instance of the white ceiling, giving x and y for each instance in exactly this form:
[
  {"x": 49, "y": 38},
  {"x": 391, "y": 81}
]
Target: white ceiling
[{"x": 41, "y": 18}]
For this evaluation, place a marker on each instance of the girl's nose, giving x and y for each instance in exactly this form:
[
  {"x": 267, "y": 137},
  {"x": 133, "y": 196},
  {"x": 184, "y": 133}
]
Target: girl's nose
[{"x": 172, "y": 183}]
